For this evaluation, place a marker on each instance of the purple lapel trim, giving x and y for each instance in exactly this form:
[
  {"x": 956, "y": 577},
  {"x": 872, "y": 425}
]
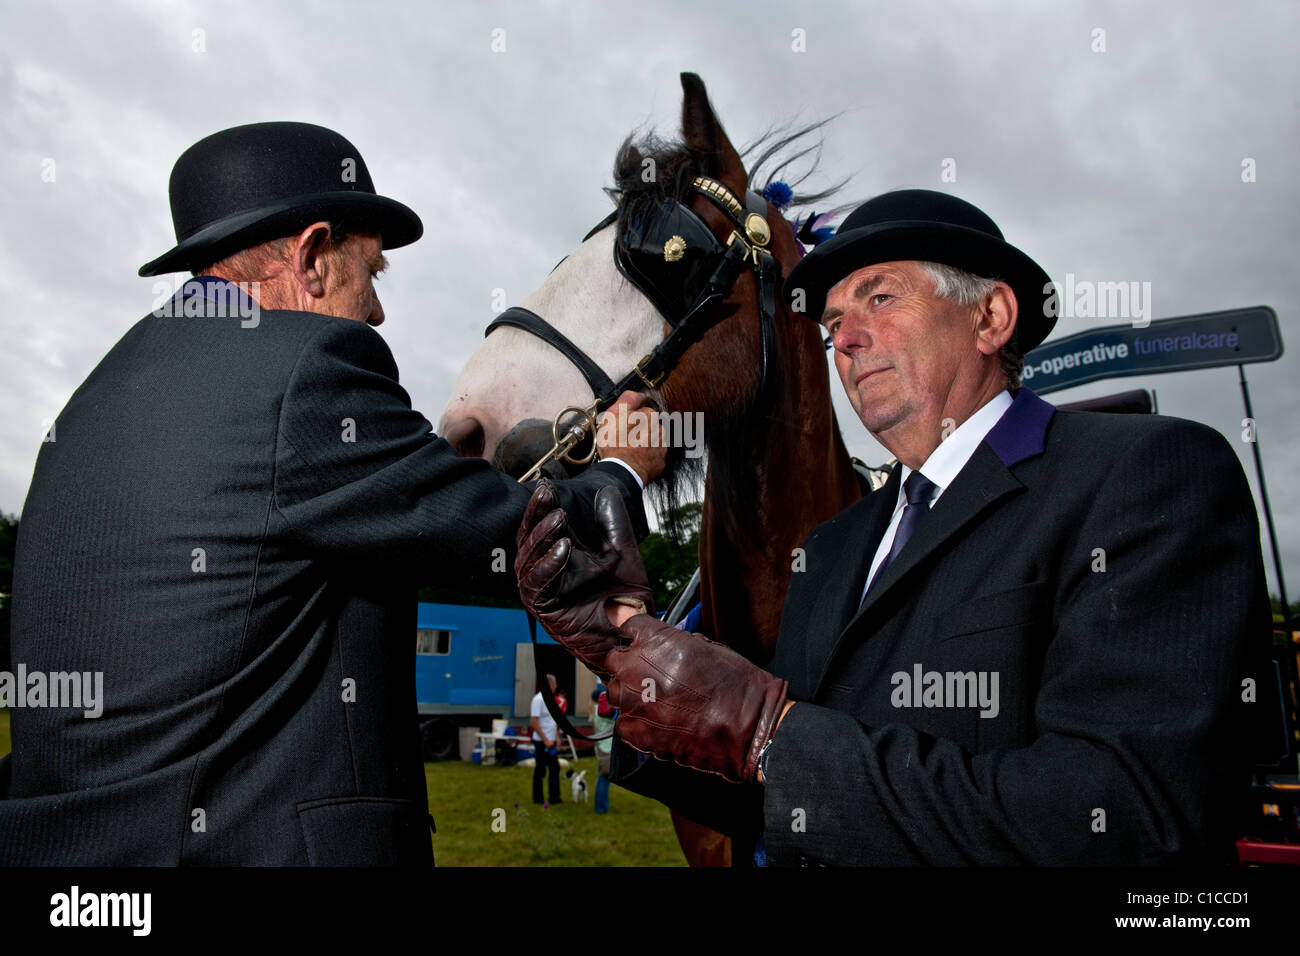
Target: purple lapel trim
[
  {"x": 1021, "y": 432},
  {"x": 216, "y": 289}
]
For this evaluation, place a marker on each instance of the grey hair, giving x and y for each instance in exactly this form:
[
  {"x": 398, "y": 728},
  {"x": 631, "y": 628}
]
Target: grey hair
[{"x": 968, "y": 290}]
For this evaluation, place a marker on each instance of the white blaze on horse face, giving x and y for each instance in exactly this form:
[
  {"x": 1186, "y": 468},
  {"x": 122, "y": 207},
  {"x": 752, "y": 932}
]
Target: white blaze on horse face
[{"x": 514, "y": 376}]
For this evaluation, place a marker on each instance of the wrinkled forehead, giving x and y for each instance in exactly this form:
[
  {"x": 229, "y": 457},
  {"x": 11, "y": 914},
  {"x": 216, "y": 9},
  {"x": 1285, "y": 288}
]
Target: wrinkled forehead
[
  {"x": 901, "y": 269},
  {"x": 906, "y": 273}
]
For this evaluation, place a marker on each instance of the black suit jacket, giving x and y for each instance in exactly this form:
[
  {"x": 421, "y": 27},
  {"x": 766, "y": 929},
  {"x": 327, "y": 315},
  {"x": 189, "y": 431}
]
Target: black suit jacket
[
  {"x": 1107, "y": 570},
  {"x": 229, "y": 524}
]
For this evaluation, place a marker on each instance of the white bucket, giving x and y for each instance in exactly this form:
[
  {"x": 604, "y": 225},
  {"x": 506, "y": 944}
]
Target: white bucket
[{"x": 499, "y": 727}]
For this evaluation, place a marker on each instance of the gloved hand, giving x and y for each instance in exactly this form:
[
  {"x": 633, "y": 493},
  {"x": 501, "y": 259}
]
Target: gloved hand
[
  {"x": 566, "y": 587},
  {"x": 685, "y": 698}
]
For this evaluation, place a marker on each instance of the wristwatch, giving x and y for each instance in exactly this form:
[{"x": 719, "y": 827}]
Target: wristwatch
[{"x": 762, "y": 760}]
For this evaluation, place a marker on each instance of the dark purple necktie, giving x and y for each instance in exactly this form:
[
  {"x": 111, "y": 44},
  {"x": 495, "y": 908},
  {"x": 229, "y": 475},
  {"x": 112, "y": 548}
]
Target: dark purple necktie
[{"x": 919, "y": 489}]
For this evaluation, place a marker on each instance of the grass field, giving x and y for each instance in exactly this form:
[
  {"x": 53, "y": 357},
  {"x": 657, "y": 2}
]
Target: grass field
[{"x": 466, "y": 800}]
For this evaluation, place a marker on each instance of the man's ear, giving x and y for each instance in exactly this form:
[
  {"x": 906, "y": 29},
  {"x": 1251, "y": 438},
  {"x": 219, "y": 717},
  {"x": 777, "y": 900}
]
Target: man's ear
[
  {"x": 996, "y": 321},
  {"x": 310, "y": 267}
]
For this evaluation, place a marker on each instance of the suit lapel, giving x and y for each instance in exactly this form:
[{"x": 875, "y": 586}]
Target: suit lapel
[
  {"x": 861, "y": 547},
  {"x": 864, "y": 524},
  {"x": 981, "y": 484},
  {"x": 984, "y": 482}
]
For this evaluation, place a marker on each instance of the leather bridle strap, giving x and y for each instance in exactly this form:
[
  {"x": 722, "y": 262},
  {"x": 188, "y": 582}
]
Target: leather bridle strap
[
  {"x": 521, "y": 318},
  {"x": 548, "y": 698},
  {"x": 766, "y": 276},
  {"x": 656, "y": 364},
  {"x": 747, "y": 242}
]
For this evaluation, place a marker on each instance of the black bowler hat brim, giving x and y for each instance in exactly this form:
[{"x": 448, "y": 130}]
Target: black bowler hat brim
[
  {"x": 974, "y": 251},
  {"x": 397, "y": 224}
]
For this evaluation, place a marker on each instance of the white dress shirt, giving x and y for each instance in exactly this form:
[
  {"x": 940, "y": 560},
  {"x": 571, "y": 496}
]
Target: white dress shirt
[
  {"x": 942, "y": 467},
  {"x": 619, "y": 461}
]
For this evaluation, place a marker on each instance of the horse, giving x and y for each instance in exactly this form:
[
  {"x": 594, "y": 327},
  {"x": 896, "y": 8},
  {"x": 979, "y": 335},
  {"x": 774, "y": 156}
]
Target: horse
[{"x": 753, "y": 369}]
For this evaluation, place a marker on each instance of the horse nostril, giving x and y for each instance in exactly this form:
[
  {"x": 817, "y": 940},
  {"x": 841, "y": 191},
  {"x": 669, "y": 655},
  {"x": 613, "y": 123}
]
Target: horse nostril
[
  {"x": 466, "y": 436},
  {"x": 523, "y": 446}
]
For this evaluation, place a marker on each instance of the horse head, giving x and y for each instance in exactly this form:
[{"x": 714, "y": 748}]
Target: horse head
[
  {"x": 681, "y": 289},
  {"x": 688, "y": 221},
  {"x": 507, "y": 397}
]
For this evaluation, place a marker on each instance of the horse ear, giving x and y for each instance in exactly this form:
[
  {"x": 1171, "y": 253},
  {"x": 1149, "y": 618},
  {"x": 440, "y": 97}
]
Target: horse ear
[{"x": 702, "y": 132}]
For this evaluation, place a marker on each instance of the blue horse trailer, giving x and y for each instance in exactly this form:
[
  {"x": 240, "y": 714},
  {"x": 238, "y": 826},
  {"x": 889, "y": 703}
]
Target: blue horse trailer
[{"x": 476, "y": 664}]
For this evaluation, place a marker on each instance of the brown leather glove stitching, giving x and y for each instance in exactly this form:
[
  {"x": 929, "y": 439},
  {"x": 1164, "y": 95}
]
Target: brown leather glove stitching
[
  {"x": 566, "y": 586},
  {"x": 711, "y": 710}
]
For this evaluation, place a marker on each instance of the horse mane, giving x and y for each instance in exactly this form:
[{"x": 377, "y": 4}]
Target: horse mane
[
  {"x": 676, "y": 166},
  {"x": 777, "y": 150}
]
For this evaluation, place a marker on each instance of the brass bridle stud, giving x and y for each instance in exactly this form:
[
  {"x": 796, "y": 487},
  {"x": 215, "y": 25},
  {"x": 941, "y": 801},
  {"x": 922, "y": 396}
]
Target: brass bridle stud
[
  {"x": 719, "y": 192},
  {"x": 756, "y": 227}
]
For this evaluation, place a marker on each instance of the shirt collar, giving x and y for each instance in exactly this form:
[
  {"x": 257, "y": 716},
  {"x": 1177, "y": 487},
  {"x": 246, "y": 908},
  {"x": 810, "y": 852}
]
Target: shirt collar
[{"x": 954, "y": 451}]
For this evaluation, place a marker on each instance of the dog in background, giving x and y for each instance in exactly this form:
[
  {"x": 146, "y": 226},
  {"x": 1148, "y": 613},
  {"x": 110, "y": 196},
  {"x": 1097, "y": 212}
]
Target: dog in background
[{"x": 579, "y": 784}]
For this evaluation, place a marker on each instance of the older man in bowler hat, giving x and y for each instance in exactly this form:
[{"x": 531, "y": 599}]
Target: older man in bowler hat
[
  {"x": 1029, "y": 646},
  {"x": 228, "y": 523}
]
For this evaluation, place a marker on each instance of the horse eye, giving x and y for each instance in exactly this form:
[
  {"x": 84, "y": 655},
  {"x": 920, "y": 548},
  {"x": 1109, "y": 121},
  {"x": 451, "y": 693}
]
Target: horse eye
[{"x": 829, "y": 342}]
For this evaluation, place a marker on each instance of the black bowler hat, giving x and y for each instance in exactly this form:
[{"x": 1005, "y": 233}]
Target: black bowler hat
[
  {"x": 927, "y": 226},
  {"x": 245, "y": 185}
]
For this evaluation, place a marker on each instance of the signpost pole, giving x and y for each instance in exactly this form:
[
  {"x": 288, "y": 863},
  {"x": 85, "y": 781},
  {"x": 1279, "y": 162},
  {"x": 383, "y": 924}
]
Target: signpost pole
[{"x": 1263, "y": 492}]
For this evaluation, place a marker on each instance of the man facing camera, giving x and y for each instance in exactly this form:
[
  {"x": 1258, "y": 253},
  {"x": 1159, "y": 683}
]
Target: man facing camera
[
  {"x": 546, "y": 741},
  {"x": 228, "y": 523},
  {"x": 1028, "y": 647}
]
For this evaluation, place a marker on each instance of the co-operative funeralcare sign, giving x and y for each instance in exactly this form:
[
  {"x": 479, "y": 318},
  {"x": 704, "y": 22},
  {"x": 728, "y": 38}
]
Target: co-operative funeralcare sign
[{"x": 1234, "y": 337}]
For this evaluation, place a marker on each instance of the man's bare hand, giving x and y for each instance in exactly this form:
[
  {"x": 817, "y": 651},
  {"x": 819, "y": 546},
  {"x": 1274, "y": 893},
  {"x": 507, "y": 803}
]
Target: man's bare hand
[{"x": 629, "y": 431}]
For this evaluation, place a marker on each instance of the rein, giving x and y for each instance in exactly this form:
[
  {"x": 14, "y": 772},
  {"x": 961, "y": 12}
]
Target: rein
[{"x": 645, "y": 259}]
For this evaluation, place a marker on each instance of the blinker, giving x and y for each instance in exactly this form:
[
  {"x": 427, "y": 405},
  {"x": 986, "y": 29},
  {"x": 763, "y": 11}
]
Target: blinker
[
  {"x": 668, "y": 253},
  {"x": 676, "y": 262}
]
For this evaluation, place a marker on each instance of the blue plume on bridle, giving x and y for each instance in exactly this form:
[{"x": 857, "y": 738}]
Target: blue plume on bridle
[
  {"x": 812, "y": 231},
  {"x": 778, "y": 194}
]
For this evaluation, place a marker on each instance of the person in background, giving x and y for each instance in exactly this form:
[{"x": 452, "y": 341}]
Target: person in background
[
  {"x": 602, "y": 720},
  {"x": 545, "y": 739}
]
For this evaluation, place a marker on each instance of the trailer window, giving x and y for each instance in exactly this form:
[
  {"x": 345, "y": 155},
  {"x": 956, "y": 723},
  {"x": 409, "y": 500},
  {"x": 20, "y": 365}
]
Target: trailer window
[{"x": 428, "y": 641}]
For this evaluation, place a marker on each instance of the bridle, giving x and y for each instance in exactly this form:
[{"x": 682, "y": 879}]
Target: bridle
[{"x": 676, "y": 261}]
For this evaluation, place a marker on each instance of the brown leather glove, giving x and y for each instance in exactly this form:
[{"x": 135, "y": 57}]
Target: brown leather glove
[
  {"x": 708, "y": 707},
  {"x": 566, "y": 587}
]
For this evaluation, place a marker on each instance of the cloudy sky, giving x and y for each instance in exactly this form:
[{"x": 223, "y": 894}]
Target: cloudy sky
[{"x": 1114, "y": 155}]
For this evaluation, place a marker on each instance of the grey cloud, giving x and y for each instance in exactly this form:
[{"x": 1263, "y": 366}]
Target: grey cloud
[{"x": 1115, "y": 165}]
